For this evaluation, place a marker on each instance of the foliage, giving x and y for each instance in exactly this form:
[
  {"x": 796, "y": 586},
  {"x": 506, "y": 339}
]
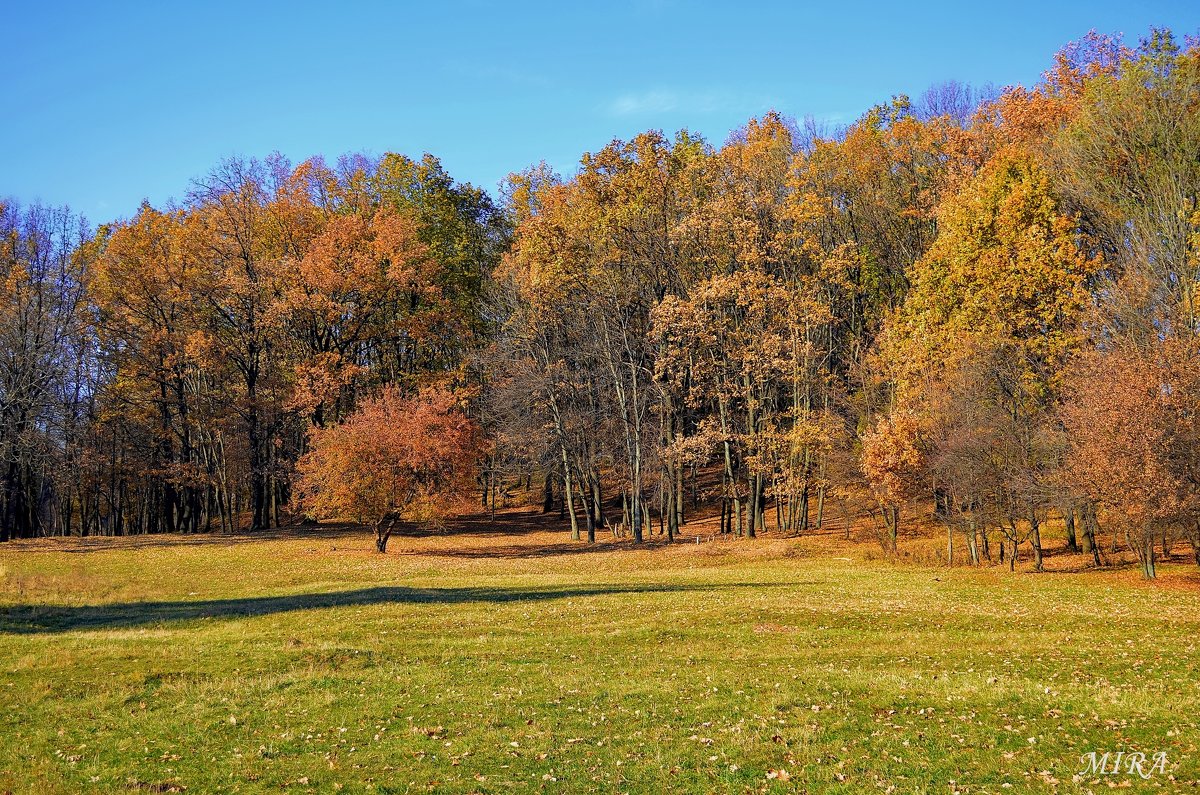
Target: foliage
[
  {"x": 891, "y": 308},
  {"x": 1133, "y": 420},
  {"x": 392, "y": 455}
]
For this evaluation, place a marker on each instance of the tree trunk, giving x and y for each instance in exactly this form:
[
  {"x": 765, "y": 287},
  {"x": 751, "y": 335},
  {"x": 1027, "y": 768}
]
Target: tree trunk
[
  {"x": 589, "y": 515},
  {"x": 678, "y": 485},
  {"x": 731, "y": 482},
  {"x": 802, "y": 512},
  {"x": 1146, "y": 554},
  {"x": 755, "y": 525},
  {"x": 259, "y": 512},
  {"x": 492, "y": 495},
  {"x": 597, "y": 498},
  {"x": 1090, "y": 526},
  {"x": 568, "y": 495},
  {"x": 1069, "y": 521},
  {"x": 383, "y": 531},
  {"x": 1035, "y": 539},
  {"x": 820, "y": 507},
  {"x": 548, "y": 494},
  {"x": 891, "y": 519}
]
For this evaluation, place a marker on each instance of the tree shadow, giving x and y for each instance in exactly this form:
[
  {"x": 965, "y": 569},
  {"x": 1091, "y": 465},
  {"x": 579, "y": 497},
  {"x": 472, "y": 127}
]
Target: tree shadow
[
  {"x": 44, "y": 619},
  {"x": 511, "y": 522},
  {"x": 531, "y": 552},
  {"x": 77, "y": 545},
  {"x": 507, "y": 522}
]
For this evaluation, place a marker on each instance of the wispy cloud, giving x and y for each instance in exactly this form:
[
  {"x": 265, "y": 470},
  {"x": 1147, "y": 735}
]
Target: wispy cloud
[
  {"x": 658, "y": 101},
  {"x": 644, "y": 102}
]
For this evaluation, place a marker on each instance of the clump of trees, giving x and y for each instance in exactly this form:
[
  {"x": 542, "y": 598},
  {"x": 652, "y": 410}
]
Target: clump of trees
[
  {"x": 167, "y": 372},
  {"x": 45, "y": 378},
  {"x": 901, "y": 310},
  {"x": 983, "y": 300}
]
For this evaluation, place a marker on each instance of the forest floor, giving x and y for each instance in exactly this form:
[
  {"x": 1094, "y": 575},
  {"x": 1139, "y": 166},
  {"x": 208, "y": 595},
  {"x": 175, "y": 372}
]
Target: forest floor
[{"x": 502, "y": 657}]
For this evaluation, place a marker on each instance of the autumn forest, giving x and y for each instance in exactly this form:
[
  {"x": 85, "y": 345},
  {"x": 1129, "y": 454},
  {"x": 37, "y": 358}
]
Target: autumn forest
[{"x": 976, "y": 304}]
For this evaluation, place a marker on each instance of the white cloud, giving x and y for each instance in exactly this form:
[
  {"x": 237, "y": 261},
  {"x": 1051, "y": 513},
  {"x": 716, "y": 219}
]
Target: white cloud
[
  {"x": 644, "y": 102},
  {"x": 657, "y": 101}
]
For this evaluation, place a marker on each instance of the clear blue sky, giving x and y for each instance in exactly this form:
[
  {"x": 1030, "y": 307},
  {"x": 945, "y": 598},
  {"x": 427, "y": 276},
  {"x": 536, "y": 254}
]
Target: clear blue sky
[{"x": 110, "y": 103}]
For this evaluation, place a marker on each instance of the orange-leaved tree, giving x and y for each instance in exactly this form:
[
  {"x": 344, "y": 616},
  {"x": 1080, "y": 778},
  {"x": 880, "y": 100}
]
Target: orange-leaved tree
[
  {"x": 892, "y": 462},
  {"x": 394, "y": 457},
  {"x": 1132, "y": 424}
]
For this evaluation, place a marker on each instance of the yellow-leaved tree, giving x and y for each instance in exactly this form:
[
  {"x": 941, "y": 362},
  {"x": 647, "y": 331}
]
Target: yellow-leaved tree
[{"x": 978, "y": 349}]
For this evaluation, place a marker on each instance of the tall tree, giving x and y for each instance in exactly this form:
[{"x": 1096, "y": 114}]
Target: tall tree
[{"x": 45, "y": 355}]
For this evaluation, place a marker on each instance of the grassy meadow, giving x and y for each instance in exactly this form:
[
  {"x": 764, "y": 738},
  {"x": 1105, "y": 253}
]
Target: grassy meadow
[{"x": 489, "y": 661}]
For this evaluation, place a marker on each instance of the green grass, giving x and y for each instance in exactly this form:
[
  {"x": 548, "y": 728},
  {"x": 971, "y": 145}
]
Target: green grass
[{"x": 474, "y": 664}]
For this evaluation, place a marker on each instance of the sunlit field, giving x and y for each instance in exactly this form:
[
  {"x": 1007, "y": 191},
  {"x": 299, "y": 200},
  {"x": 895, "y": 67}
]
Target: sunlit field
[{"x": 507, "y": 659}]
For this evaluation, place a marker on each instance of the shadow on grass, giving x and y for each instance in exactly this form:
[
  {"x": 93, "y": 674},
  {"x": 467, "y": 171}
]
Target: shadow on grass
[
  {"x": 507, "y": 523},
  {"x": 38, "y": 619},
  {"x": 77, "y": 545}
]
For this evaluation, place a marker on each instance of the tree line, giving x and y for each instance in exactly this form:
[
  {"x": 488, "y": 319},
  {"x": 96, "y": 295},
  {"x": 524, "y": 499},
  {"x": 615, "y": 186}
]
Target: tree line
[{"x": 983, "y": 299}]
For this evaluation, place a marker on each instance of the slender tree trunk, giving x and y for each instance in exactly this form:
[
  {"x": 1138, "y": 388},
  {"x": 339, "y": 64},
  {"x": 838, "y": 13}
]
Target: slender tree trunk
[
  {"x": 678, "y": 485},
  {"x": 891, "y": 520},
  {"x": 492, "y": 495},
  {"x": 597, "y": 498},
  {"x": 562, "y": 504},
  {"x": 1090, "y": 526},
  {"x": 672, "y": 475},
  {"x": 1146, "y": 554},
  {"x": 1035, "y": 539},
  {"x": 589, "y": 515},
  {"x": 383, "y": 531},
  {"x": 668, "y": 518},
  {"x": 756, "y": 509},
  {"x": 802, "y": 510},
  {"x": 548, "y": 494},
  {"x": 731, "y": 482},
  {"x": 568, "y": 495}
]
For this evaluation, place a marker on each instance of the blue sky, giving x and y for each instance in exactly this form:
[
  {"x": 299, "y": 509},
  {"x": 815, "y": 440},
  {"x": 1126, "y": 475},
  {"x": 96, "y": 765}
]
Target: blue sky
[{"x": 110, "y": 103}]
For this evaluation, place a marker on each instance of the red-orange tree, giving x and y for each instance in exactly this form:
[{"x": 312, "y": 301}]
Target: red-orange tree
[
  {"x": 395, "y": 457},
  {"x": 1132, "y": 422}
]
